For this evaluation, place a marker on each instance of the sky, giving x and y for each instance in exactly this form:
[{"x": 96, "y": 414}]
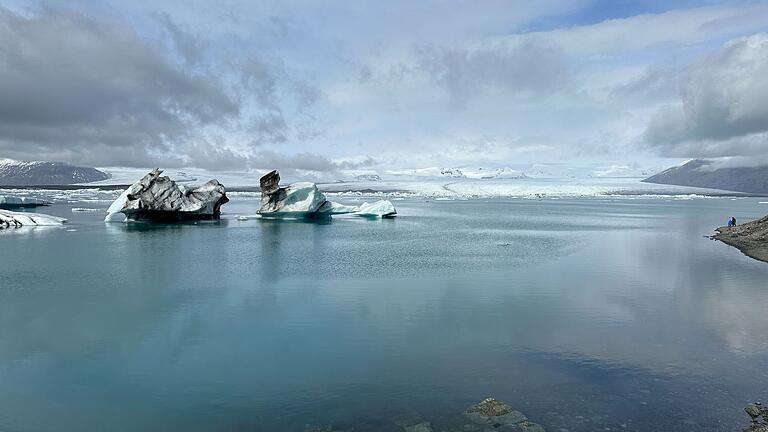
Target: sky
[{"x": 328, "y": 86}]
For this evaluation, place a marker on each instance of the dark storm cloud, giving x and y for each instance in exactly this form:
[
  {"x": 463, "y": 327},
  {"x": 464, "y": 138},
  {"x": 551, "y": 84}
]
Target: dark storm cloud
[
  {"x": 529, "y": 66},
  {"x": 305, "y": 161},
  {"x": 723, "y": 110},
  {"x": 70, "y": 85}
]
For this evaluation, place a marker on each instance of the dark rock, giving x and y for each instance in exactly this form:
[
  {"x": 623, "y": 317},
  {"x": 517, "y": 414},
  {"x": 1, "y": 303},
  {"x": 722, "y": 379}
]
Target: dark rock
[{"x": 500, "y": 416}]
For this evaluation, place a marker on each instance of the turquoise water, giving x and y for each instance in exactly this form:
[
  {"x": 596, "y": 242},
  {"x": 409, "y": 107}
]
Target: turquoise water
[{"x": 584, "y": 314}]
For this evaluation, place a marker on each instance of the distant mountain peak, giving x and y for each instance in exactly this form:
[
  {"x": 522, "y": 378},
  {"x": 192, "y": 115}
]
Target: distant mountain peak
[
  {"x": 44, "y": 173},
  {"x": 737, "y": 179}
]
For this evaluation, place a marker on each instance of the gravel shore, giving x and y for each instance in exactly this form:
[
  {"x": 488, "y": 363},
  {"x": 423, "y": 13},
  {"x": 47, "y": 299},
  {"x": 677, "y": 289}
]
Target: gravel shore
[{"x": 751, "y": 238}]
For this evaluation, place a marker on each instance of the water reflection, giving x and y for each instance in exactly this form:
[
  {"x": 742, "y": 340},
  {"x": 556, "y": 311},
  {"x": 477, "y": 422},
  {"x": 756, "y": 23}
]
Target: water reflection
[{"x": 269, "y": 325}]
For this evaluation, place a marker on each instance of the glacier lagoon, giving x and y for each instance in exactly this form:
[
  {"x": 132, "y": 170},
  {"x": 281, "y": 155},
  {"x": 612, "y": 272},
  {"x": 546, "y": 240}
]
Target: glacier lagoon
[{"x": 584, "y": 313}]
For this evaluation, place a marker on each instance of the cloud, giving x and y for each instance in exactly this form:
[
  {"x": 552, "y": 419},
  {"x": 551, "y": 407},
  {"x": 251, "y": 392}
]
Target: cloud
[
  {"x": 529, "y": 67},
  {"x": 678, "y": 27},
  {"x": 190, "y": 46},
  {"x": 722, "y": 110},
  {"x": 72, "y": 85},
  {"x": 78, "y": 88}
]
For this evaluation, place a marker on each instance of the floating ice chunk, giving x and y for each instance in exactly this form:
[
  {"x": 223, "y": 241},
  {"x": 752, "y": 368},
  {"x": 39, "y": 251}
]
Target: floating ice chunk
[
  {"x": 242, "y": 218},
  {"x": 301, "y": 199},
  {"x": 10, "y": 219},
  {"x": 156, "y": 197},
  {"x": 8, "y": 202},
  {"x": 383, "y": 208},
  {"x": 304, "y": 200}
]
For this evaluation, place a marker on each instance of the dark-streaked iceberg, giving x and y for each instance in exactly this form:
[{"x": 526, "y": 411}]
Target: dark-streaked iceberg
[
  {"x": 159, "y": 198},
  {"x": 304, "y": 200},
  {"x": 10, "y": 219}
]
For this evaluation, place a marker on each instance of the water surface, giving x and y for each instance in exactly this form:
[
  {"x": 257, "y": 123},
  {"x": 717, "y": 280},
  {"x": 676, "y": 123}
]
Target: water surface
[{"x": 585, "y": 314}]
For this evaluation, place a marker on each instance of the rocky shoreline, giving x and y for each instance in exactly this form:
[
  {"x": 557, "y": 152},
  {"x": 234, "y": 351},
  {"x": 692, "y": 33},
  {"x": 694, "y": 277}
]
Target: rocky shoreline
[{"x": 750, "y": 238}]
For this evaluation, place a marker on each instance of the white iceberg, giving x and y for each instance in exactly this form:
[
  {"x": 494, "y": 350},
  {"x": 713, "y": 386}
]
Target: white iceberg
[
  {"x": 8, "y": 202},
  {"x": 304, "y": 200},
  {"x": 301, "y": 199},
  {"x": 10, "y": 219},
  {"x": 383, "y": 209}
]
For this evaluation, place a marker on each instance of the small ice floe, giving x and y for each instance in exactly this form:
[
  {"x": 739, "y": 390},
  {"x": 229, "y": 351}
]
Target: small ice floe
[
  {"x": 9, "y": 202},
  {"x": 10, "y": 219},
  {"x": 242, "y": 218},
  {"x": 382, "y": 209},
  {"x": 83, "y": 209}
]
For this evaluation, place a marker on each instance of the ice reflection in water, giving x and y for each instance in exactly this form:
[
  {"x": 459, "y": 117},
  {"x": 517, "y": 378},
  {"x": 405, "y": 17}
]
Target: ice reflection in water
[{"x": 584, "y": 314}]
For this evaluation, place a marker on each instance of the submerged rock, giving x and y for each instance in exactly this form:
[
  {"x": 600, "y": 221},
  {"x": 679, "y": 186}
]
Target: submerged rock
[
  {"x": 160, "y": 198},
  {"x": 759, "y": 416},
  {"x": 500, "y": 416},
  {"x": 421, "y": 427},
  {"x": 305, "y": 200},
  {"x": 10, "y": 219}
]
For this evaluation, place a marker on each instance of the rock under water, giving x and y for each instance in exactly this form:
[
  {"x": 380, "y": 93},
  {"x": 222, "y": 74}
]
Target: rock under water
[
  {"x": 501, "y": 416},
  {"x": 156, "y": 197}
]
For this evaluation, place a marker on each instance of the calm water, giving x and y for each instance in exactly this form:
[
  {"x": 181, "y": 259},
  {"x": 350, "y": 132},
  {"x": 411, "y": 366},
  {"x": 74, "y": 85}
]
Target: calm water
[{"x": 584, "y": 314}]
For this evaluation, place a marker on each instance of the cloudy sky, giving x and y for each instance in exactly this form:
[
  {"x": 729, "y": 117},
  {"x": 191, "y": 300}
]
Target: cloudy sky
[{"x": 330, "y": 85}]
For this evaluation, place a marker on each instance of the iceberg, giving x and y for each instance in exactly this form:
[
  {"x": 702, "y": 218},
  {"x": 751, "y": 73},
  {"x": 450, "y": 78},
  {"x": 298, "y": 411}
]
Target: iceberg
[
  {"x": 304, "y": 200},
  {"x": 382, "y": 209},
  {"x": 9, "y": 202},
  {"x": 160, "y": 198},
  {"x": 10, "y": 219},
  {"x": 297, "y": 200}
]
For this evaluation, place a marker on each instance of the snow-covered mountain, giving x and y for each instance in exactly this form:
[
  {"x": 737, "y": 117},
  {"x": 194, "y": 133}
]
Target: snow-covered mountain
[
  {"x": 493, "y": 173},
  {"x": 463, "y": 172},
  {"x": 14, "y": 173},
  {"x": 706, "y": 174}
]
